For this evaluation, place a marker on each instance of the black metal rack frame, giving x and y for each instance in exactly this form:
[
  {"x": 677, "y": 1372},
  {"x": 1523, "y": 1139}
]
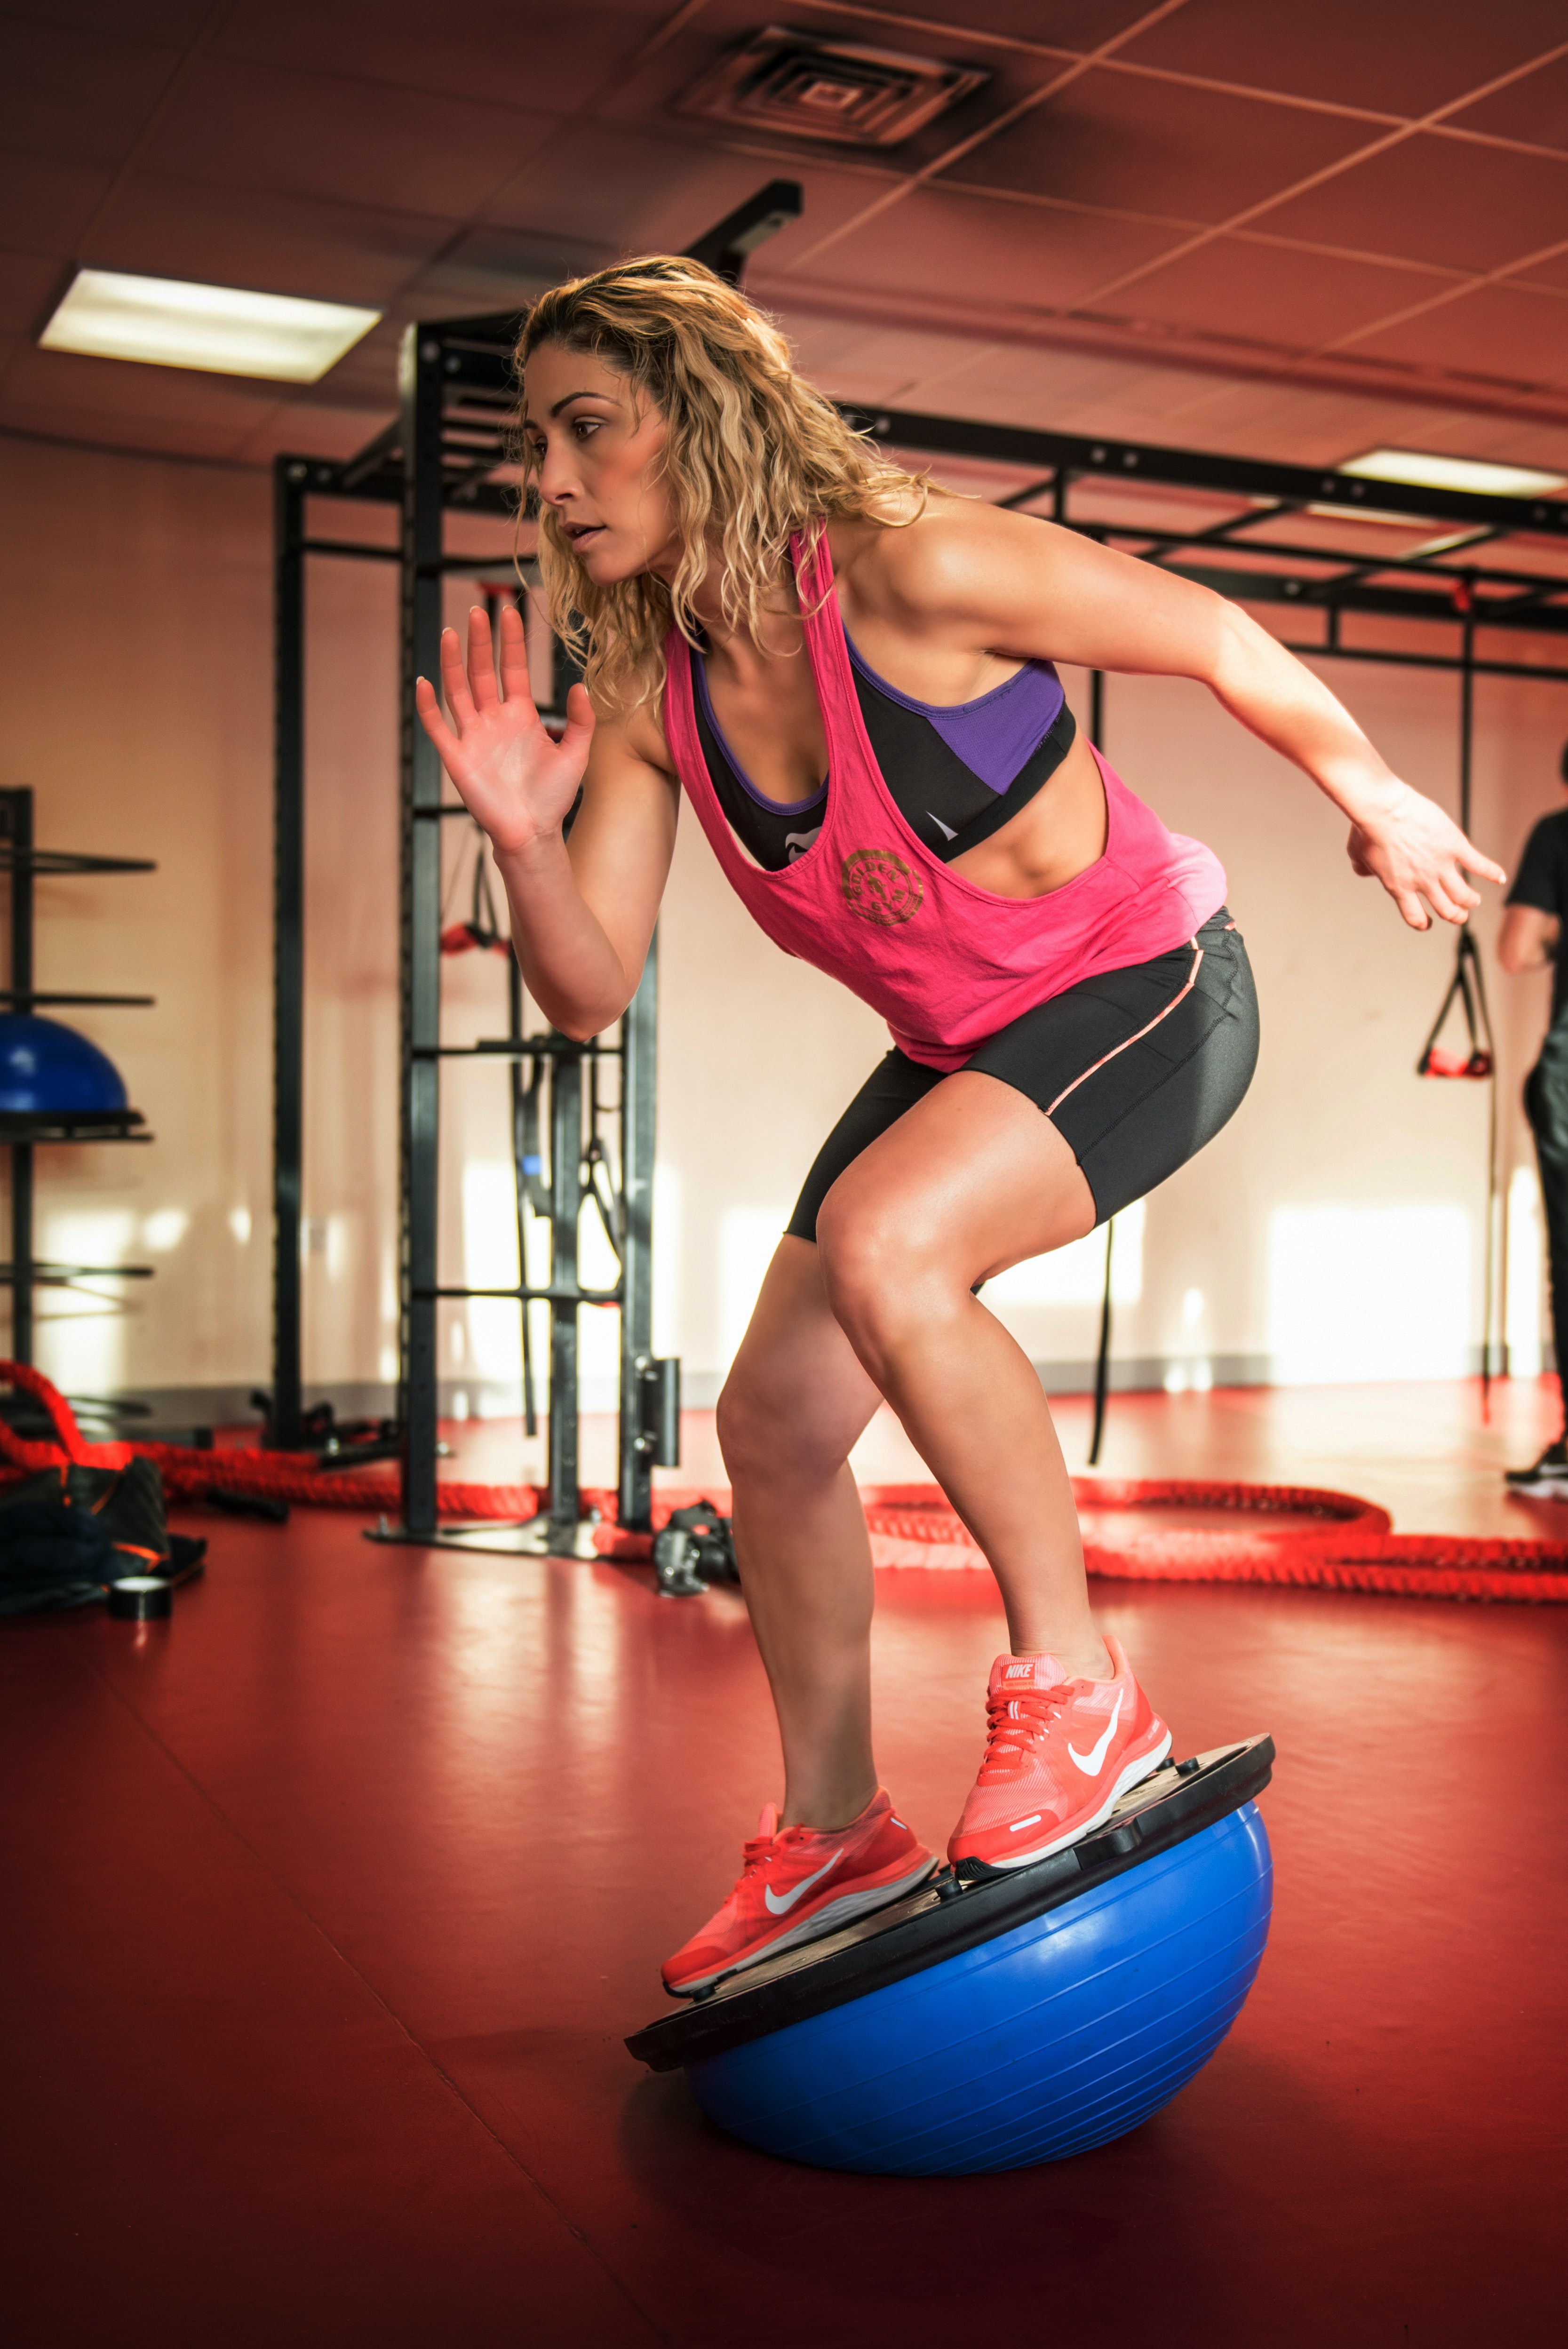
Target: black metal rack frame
[
  {"x": 22, "y": 1132},
  {"x": 446, "y": 453},
  {"x": 450, "y": 374},
  {"x": 439, "y": 457}
]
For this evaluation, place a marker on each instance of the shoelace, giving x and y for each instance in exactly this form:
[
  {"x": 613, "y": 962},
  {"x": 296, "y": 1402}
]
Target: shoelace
[
  {"x": 1014, "y": 1723},
  {"x": 758, "y": 1853},
  {"x": 769, "y": 1845}
]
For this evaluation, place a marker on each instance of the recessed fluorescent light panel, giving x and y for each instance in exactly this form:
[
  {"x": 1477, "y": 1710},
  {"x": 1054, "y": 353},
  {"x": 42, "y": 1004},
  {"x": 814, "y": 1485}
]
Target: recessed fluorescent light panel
[
  {"x": 1428, "y": 472},
  {"x": 219, "y": 329}
]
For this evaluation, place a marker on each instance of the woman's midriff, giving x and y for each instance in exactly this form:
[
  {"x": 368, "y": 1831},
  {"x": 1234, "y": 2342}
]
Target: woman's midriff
[{"x": 1059, "y": 834}]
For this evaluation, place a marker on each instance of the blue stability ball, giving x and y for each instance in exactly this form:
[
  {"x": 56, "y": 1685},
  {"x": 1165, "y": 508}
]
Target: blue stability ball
[
  {"x": 46, "y": 1068},
  {"x": 1049, "y": 2037}
]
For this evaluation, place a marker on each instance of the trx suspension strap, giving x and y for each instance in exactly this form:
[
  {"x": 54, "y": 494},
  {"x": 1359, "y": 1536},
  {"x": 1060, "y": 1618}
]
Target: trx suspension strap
[
  {"x": 481, "y": 929},
  {"x": 1468, "y": 988}
]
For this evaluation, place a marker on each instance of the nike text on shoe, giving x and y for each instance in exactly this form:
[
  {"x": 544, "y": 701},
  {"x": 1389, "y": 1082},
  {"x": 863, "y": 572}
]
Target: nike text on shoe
[
  {"x": 1548, "y": 1476},
  {"x": 1060, "y": 1755},
  {"x": 800, "y": 1884}
]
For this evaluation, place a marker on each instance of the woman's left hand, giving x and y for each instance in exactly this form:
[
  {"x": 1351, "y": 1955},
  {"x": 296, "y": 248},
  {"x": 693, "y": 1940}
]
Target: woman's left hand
[{"x": 1418, "y": 852}]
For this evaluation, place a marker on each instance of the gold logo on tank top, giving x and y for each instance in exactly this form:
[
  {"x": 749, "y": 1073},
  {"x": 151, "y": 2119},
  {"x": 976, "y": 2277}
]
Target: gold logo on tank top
[{"x": 879, "y": 887}]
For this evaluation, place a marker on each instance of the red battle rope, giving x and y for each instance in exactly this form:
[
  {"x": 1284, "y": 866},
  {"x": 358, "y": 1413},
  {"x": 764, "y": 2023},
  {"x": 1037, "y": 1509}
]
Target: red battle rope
[{"x": 1345, "y": 1544}]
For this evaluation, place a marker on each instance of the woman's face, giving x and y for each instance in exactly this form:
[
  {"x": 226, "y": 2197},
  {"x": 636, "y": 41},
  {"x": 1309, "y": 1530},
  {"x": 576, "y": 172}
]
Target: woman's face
[{"x": 597, "y": 447}]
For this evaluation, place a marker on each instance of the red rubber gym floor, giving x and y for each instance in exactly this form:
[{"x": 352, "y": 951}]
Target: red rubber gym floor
[{"x": 328, "y": 1903}]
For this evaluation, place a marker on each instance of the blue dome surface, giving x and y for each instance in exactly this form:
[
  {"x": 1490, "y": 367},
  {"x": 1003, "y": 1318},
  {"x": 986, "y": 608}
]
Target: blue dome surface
[
  {"x": 1067, "y": 2031},
  {"x": 45, "y": 1069}
]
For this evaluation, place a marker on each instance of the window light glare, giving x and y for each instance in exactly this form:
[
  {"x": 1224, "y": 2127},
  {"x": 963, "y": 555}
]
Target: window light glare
[
  {"x": 218, "y": 329},
  {"x": 1424, "y": 472}
]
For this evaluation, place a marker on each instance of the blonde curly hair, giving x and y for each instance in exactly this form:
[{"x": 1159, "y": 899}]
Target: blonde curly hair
[{"x": 754, "y": 454}]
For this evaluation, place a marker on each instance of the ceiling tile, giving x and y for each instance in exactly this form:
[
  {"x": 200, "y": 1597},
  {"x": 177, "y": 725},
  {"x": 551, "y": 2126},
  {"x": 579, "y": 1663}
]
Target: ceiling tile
[
  {"x": 650, "y": 94},
  {"x": 1497, "y": 333},
  {"x": 1454, "y": 432},
  {"x": 1534, "y": 109},
  {"x": 156, "y": 20},
  {"x": 491, "y": 269},
  {"x": 30, "y": 284},
  {"x": 1299, "y": 423},
  {"x": 1053, "y": 390},
  {"x": 1553, "y": 271},
  {"x": 1429, "y": 200},
  {"x": 1398, "y": 57},
  {"x": 235, "y": 125},
  {"x": 850, "y": 359},
  {"x": 314, "y": 429},
  {"x": 1132, "y": 145},
  {"x": 940, "y": 243},
  {"x": 276, "y": 243},
  {"x": 1066, "y": 23},
  {"x": 547, "y": 61},
  {"x": 77, "y": 94},
  {"x": 214, "y": 438},
  {"x": 656, "y": 191},
  {"x": 47, "y": 200},
  {"x": 1271, "y": 294},
  {"x": 72, "y": 386}
]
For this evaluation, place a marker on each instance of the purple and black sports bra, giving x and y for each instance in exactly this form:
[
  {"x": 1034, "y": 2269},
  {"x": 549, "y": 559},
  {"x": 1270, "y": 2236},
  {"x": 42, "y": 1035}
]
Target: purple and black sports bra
[{"x": 957, "y": 773}]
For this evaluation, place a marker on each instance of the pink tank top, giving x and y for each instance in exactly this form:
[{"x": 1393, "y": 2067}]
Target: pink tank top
[{"x": 944, "y": 962}]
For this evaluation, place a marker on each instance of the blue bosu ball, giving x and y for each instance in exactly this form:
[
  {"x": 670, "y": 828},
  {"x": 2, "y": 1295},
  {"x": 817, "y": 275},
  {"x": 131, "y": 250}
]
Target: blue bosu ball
[
  {"x": 1065, "y": 2031},
  {"x": 1028, "y": 2044},
  {"x": 46, "y": 1068}
]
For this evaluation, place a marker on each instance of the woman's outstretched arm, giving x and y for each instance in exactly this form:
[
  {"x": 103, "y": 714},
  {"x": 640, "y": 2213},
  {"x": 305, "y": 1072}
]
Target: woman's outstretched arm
[
  {"x": 1036, "y": 591},
  {"x": 582, "y": 917}
]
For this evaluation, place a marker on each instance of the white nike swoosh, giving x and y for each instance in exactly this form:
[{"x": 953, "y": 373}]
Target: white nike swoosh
[
  {"x": 1091, "y": 1764},
  {"x": 780, "y": 1903},
  {"x": 944, "y": 829}
]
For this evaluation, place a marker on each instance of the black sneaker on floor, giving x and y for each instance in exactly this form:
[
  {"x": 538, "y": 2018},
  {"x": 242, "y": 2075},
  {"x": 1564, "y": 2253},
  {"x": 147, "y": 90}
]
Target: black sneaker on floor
[{"x": 1548, "y": 1477}]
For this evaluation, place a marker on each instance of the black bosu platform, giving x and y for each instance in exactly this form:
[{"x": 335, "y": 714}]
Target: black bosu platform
[{"x": 944, "y": 1917}]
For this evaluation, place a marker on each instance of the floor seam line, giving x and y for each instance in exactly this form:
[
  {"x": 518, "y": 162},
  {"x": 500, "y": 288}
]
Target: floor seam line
[{"x": 298, "y": 1904}]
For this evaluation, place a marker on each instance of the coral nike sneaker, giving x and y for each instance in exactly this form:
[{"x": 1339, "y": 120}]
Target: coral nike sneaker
[
  {"x": 1059, "y": 1754},
  {"x": 800, "y": 1884}
]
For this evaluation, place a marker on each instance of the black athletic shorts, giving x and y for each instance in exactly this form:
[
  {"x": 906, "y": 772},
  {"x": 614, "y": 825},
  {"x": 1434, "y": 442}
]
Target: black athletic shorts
[{"x": 1137, "y": 1070}]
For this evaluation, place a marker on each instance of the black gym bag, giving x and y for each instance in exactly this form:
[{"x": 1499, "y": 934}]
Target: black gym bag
[{"x": 68, "y": 1532}]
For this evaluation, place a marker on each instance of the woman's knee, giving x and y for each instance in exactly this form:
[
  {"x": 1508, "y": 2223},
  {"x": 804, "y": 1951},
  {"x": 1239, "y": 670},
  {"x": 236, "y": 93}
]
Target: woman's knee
[
  {"x": 777, "y": 1422},
  {"x": 884, "y": 1270},
  {"x": 744, "y": 1419}
]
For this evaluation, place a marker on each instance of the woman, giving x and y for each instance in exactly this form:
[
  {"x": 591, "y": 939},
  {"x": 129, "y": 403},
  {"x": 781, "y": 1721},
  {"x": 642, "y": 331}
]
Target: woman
[{"x": 851, "y": 675}]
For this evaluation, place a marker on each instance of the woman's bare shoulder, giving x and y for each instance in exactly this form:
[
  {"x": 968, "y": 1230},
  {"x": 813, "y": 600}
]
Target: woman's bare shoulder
[
  {"x": 632, "y": 734},
  {"x": 940, "y": 563}
]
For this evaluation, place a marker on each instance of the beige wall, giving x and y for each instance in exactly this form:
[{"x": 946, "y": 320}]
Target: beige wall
[
  {"x": 137, "y": 703},
  {"x": 1334, "y": 1229}
]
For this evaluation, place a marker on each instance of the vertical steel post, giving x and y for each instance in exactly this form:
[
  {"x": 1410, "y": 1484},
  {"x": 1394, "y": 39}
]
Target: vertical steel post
[
  {"x": 18, "y": 819},
  {"x": 639, "y": 1049},
  {"x": 288, "y": 945},
  {"x": 1466, "y": 749},
  {"x": 565, "y": 1208},
  {"x": 420, "y": 577}
]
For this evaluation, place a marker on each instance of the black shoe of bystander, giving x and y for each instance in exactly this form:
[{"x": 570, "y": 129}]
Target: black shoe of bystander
[{"x": 1547, "y": 1477}]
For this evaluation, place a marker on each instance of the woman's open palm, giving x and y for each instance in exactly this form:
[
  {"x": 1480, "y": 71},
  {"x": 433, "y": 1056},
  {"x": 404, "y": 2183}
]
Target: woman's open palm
[{"x": 515, "y": 781}]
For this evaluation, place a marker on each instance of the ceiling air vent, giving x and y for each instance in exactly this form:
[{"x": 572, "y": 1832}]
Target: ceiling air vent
[{"x": 840, "y": 90}]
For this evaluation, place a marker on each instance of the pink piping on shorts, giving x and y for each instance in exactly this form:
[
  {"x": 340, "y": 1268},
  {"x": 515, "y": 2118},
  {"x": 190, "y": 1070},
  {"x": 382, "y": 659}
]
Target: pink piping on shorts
[{"x": 1052, "y": 1107}]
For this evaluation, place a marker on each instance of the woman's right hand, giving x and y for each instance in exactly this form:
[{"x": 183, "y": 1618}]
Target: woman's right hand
[{"x": 515, "y": 782}]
